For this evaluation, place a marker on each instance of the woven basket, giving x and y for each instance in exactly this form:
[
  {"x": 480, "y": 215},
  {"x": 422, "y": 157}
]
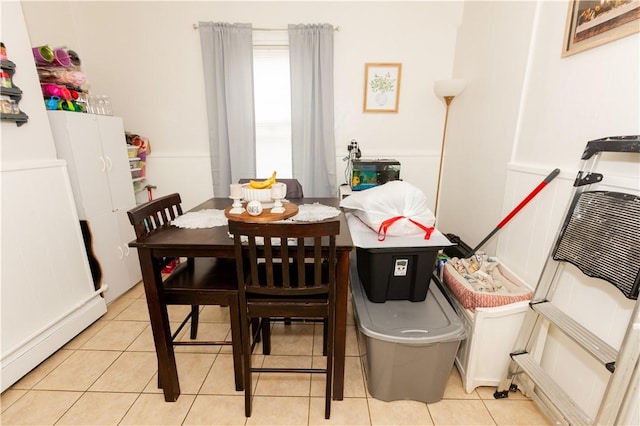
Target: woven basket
[{"x": 471, "y": 299}]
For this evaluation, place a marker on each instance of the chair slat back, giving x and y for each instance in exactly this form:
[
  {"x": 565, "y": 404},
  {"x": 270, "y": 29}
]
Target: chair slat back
[
  {"x": 286, "y": 258},
  {"x": 155, "y": 214}
]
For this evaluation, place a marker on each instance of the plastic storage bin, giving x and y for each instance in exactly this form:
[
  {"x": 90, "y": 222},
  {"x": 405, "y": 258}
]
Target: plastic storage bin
[
  {"x": 396, "y": 273},
  {"x": 483, "y": 356},
  {"x": 407, "y": 349},
  {"x": 398, "y": 268}
]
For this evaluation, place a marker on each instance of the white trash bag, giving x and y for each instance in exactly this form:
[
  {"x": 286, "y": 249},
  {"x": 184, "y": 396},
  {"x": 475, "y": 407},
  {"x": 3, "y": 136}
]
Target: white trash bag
[{"x": 396, "y": 208}]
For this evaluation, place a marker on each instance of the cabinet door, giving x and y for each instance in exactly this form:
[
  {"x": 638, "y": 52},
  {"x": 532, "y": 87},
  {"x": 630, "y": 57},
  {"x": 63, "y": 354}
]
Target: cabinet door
[
  {"x": 114, "y": 147},
  {"x": 89, "y": 164},
  {"x": 131, "y": 261},
  {"x": 110, "y": 254}
]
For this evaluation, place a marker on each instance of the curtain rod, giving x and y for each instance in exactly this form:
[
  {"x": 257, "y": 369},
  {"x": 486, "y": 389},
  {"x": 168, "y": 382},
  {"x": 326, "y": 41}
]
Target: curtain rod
[{"x": 196, "y": 26}]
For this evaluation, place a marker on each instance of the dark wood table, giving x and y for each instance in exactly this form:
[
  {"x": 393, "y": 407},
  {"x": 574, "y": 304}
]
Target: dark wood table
[{"x": 171, "y": 241}]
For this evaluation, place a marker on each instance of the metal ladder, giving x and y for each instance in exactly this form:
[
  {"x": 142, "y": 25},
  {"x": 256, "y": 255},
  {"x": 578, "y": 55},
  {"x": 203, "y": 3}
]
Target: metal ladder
[{"x": 600, "y": 235}]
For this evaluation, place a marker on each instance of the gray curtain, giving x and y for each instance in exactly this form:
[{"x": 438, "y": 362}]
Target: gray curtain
[
  {"x": 312, "y": 132},
  {"x": 227, "y": 56}
]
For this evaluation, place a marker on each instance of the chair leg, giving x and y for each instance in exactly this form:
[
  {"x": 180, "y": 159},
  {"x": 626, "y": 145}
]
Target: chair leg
[
  {"x": 247, "y": 338},
  {"x": 325, "y": 326},
  {"x": 158, "y": 364},
  {"x": 265, "y": 328},
  {"x": 255, "y": 323},
  {"x": 236, "y": 343},
  {"x": 329, "y": 385},
  {"x": 195, "y": 317}
]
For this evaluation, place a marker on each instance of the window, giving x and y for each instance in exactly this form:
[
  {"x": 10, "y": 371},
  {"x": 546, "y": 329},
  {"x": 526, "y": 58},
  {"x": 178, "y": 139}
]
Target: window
[{"x": 272, "y": 99}]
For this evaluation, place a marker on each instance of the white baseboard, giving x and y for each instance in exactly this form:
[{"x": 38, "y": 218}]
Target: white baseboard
[{"x": 38, "y": 348}]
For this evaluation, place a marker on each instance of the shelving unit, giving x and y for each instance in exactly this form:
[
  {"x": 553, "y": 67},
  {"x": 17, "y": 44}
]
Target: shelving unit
[
  {"x": 137, "y": 177},
  {"x": 13, "y": 93},
  {"x": 137, "y": 148}
]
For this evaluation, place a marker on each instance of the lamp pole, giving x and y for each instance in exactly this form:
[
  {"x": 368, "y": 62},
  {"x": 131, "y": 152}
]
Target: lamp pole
[
  {"x": 447, "y": 100},
  {"x": 448, "y": 90}
]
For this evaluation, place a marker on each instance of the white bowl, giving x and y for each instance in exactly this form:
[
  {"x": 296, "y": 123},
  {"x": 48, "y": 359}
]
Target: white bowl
[{"x": 252, "y": 194}]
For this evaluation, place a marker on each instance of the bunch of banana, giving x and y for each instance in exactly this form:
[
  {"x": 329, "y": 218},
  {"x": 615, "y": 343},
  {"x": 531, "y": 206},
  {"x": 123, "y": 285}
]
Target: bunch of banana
[{"x": 264, "y": 184}]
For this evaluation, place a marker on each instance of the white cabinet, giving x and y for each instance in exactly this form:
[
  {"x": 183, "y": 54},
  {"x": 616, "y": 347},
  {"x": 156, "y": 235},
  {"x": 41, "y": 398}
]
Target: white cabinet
[
  {"x": 94, "y": 147},
  {"x": 483, "y": 357}
]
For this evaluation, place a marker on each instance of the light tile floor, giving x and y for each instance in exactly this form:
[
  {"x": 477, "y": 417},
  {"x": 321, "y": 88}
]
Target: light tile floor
[{"x": 107, "y": 376}]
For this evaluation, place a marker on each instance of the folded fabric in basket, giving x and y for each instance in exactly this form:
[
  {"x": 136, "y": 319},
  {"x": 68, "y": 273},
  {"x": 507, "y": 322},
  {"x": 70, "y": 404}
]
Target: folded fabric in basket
[
  {"x": 481, "y": 273},
  {"x": 483, "y": 282}
]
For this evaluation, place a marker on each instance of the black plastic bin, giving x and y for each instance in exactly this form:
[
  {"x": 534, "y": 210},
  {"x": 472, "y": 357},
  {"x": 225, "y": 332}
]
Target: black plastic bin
[
  {"x": 399, "y": 273},
  {"x": 398, "y": 267}
]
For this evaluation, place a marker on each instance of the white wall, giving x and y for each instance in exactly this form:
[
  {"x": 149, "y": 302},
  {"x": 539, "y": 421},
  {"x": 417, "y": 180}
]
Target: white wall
[
  {"x": 491, "y": 54},
  {"x": 46, "y": 290},
  {"x": 525, "y": 112},
  {"x": 28, "y": 142},
  {"x": 151, "y": 67}
]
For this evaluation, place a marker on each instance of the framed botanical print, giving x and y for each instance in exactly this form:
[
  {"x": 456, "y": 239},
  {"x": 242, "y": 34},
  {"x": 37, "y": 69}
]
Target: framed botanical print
[{"x": 382, "y": 87}]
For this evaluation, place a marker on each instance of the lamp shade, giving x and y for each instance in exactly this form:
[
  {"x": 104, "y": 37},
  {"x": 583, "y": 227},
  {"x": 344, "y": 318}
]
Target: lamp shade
[{"x": 444, "y": 88}]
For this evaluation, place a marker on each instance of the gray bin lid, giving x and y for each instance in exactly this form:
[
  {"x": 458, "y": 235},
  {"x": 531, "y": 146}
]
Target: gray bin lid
[{"x": 401, "y": 321}]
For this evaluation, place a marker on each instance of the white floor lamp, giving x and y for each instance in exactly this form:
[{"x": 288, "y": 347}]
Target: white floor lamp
[{"x": 446, "y": 89}]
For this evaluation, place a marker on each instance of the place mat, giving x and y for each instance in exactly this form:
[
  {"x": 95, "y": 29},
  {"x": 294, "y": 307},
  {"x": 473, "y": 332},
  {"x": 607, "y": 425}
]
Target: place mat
[
  {"x": 207, "y": 218},
  {"x": 314, "y": 212},
  {"x": 210, "y": 218}
]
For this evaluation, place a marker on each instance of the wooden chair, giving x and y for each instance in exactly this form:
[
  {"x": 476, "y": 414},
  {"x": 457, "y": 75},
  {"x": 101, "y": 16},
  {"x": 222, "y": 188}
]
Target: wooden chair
[
  {"x": 294, "y": 190},
  {"x": 286, "y": 270},
  {"x": 199, "y": 281}
]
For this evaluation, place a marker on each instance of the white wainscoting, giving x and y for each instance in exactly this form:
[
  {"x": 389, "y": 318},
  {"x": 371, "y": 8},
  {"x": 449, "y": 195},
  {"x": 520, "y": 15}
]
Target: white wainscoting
[{"x": 46, "y": 289}]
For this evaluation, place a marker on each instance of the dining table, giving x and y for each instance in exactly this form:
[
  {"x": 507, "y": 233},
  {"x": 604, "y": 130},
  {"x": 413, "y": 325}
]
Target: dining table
[{"x": 170, "y": 241}]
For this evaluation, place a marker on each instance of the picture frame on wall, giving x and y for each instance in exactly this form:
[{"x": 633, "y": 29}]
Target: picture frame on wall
[
  {"x": 592, "y": 23},
  {"x": 382, "y": 87}
]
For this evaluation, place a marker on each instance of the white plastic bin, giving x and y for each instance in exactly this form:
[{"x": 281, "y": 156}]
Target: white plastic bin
[{"x": 483, "y": 357}]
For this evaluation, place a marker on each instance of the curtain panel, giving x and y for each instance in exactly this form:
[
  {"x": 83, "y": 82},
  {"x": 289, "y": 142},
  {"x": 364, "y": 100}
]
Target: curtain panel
[
  {"x": 312, "y": 121},
  {"x": 227, "y": 56}
]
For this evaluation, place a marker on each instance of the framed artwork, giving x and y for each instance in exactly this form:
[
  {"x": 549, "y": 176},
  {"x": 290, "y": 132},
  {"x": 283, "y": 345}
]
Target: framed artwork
[
  {"x": 382, "y": 87},
  {"x": 594, "y": 22}
]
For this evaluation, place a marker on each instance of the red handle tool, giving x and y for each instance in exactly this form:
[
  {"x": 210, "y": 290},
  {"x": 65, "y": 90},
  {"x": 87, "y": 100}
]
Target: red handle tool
[{"x": 515, "y": 211}]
